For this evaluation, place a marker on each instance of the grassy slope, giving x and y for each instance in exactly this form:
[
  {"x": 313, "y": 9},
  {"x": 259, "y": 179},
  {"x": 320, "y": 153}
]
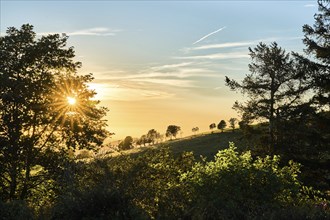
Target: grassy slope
[
  {"x": 207, "y": 144},
  {"x": 204, "y": 144}
]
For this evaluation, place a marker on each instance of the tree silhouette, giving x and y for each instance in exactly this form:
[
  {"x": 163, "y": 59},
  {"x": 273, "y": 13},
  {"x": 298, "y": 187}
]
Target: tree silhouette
[
  {"x": 195, "y": 130},
  {"x": 126, "y": 144},
  {"x": 275, "y": 87},
  {"x": 212, "y": 126},
  {"x": 317, "y": 41},
  {"x": 38, "y": 126},
  {"x": 153, "y": 135},
  {"x": 232, "y": 122},
  {"x": 172, "y": 131},
  {"x": 222, "y": 124}
]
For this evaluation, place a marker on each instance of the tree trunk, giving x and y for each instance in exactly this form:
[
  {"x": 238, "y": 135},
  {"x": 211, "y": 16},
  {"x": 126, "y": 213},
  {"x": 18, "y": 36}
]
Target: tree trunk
[
  {"x": 13, "y": 182},
  {"x": 26, "y": 182},
  {"x": 271, "y": 116}
]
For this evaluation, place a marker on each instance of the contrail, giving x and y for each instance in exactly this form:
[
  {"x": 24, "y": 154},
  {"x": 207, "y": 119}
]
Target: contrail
[{"x": 206, "y": 36}]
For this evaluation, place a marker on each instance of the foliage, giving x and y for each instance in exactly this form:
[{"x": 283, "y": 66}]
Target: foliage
[
  {"x": 212, "y": 126},
  {"x": 126, "y": 144},
  {"x": 275, "y": 87},
  {"x": 232, "y": 122},
  {"x": 15, "y": 210},
  {"x": 172, "y": 131},
  {"x": 37, "y": 75},
  {"x": 222, "y": 125},
  {"x": 236, "y": 186},
  {"x": 317, "y": 40},
  {"x": 152, "y": 136},
  {"x": 195, "y": 130},
  {"x": 126, "y": 187},
  {"x": 157, "y": 185},
  {"x": 291, "y": 94}
]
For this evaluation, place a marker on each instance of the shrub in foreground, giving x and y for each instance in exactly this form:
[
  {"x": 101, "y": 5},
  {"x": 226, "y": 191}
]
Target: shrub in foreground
[{"x": 157, "y": 185}]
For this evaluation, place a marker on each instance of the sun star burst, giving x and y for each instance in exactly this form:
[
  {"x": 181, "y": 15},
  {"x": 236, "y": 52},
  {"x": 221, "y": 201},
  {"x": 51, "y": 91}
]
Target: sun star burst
[{"x": 71, "y": 100}]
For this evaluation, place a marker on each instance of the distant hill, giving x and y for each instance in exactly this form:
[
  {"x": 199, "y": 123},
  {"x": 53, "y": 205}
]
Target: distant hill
[
  {"x": 203, "y": 144},
  {"x": 207, "y": 144}
]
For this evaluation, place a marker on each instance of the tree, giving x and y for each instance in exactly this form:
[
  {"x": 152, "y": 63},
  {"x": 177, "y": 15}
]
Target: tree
[
  {"x": 142, "y": 140},
  {"x": 232, "y": 122},
  {"x": 275, "y": 87},
  {"x": 222, "y": 124},
  {"x": 153, "y": 135},
  {"x": 195, "y": 129},
  {"x": 212, "y": 126},
  {"x": 126, "y": 144},
  {"x": 317, "y": 40},
  {"x": 172, "y": 131},
  {"x": 38, "y": 124}
]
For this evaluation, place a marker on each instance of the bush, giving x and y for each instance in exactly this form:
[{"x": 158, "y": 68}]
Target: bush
[
  {"x": 15, "y": 210},
  {"x": 237, "y": 186},
  {"x": 157, "y": 185}
]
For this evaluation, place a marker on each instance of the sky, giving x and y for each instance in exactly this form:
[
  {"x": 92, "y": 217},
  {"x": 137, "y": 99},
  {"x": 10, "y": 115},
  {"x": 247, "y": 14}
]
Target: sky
[{"x": 160, "y": 63}]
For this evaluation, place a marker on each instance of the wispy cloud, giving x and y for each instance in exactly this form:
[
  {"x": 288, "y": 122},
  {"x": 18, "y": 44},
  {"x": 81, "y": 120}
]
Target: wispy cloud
[
  {"x": 206, "y": 36},
  {"x": 168, "y": 82},
  {"x": 309, "y": 5},
  {"x": 97, "y": 31},
  {"x": 179, "y": 73},
  {"x": 216, "y": 56},
  {"x": 237, "y": 44},
  {"x": 171, "y": 66},
  {"x": 126, "y": 91},
  {"x": 155, "y": 82},
  {"x": 223, "y": 45}
]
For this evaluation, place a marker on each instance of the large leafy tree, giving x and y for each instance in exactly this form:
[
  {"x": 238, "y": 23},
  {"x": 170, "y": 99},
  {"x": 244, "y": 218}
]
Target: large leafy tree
[
  {"x": 46, "y": 110},
  {"x": 275, "y": 87}
]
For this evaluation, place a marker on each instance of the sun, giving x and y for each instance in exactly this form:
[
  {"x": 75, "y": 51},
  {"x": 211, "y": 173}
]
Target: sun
[{"x": 71, "y": 100}]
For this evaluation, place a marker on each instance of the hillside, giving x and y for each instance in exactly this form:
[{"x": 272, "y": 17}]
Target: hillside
[
  {"x": 207, "y": 144},
  {"x": 203, "y": 144}
]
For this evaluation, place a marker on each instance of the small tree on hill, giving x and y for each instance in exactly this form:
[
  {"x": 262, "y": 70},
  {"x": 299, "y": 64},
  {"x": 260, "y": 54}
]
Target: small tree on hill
[
  {"x": 222, "y": 124},
  {"x": 212, "y": 126},
  {"x": 232, "y": 122},
  {"x": 126, "y": 144},
  {"x": 153, "y": 135},
  {"x": 195, "y": 130},
  {"x": 172, "y": 131}
]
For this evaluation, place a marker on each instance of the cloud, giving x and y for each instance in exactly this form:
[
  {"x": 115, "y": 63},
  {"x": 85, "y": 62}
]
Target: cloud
[
  {"x": 223, "y": 45},
  {"x": 216, "y": 56},
  {"x": 168, "y": 82},
  {"x": 97, "y": 31},
  {"x": 206, "y": 36},
  {"x": 155, "y": 82},
  {"x": 126, "y": 91},
  {"x": 309, "y": 5},
  {"x": 171, "y": 66}
]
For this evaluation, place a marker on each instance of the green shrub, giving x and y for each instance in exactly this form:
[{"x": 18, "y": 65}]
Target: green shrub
[
  {"x": 237, "y": 186},
  {"x": 158, "y": 185},
  {"x": 15, "y": 210}
]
